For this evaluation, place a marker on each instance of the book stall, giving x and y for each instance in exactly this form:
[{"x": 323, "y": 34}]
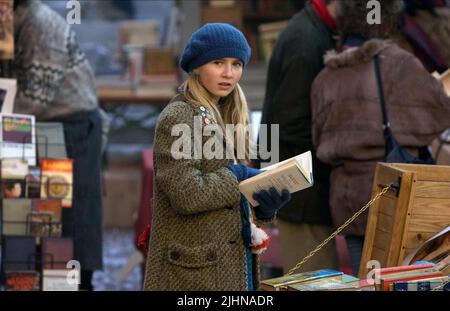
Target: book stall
[
  {"x": 36, "y": 186},
  {"x": 407, "y": 241}
]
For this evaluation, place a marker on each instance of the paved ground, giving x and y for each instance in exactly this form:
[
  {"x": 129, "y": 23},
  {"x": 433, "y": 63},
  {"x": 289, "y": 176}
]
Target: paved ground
[{"x": 118, "y": 246}]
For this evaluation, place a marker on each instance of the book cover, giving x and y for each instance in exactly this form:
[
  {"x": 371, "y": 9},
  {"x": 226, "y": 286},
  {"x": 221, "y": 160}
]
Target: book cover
[
  {"x": 281, "y": 283},
  {"x": 22, "y": 281},
  {"x": 294, "y": 174},
  {"x": 13, "y": 174},
  {"x": 17, "y": 137},
  {"x": 39, "y": 224},
  {"x": 13, "y": 188},
  {"x": 386, "y": 283},
  {"x": 57, "y": 280},
  {"x": 50, "y": 140},
  {"x": 33, "y": 183},
  {"x": 14, "y": 168},
  {"x": 391, "y": 270},
  {"x": 15, "y": 215},
  {"x": 56, "y": 180},
  {"x": 56, "y": 252},
  {"x": 423, "y": 285},
  {"x": 328, "y": 284},
  {"x": 46, "y": 218},
  {"x": 18, "y": 253}
]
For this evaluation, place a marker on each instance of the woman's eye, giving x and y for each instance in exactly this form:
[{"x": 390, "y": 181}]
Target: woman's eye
[
  {"x": 218, "y": 62},
  {"x": 238, "y": 64}
]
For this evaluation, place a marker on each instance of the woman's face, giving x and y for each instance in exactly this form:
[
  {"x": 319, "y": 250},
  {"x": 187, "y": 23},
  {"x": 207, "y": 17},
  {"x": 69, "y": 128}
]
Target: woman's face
[{"x": 220, "y": 76}]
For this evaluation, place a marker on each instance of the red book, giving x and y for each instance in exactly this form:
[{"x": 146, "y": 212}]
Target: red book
[{"x": 388, "y": 270}]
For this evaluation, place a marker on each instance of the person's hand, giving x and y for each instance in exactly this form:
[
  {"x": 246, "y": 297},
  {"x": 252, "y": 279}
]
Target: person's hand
[
  {"x": 243, "y": 172},
  {"x": 270, "y": 202}
]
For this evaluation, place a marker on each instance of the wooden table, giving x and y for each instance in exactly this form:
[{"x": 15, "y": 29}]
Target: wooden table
[
  {"x": 117, "y": 97},
  {"x": 154, "y": 91}
]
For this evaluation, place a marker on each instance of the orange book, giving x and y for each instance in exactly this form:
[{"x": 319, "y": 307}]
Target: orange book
[{"x": 57, "y": 179}]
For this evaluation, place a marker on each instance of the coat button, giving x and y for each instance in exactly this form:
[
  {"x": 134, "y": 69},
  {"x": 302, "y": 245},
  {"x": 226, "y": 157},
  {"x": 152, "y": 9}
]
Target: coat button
[
  {"x": 229, "y": 207},
  {"x": 211, "y": 256},
  {"x": 175, "y": 255},
  {"x": 232, "y": 241}
]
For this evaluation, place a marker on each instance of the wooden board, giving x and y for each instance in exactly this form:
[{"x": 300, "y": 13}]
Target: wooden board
[{"x": 397, "y": 224}]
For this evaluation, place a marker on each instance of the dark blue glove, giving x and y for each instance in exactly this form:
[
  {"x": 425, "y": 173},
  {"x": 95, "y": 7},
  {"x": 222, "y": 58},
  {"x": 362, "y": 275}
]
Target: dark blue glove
[
  {"x": 270, "y": 202},
  {"x": 243, "y": 172}
]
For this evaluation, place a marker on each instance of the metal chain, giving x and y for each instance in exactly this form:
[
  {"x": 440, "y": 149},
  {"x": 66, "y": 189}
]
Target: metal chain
[{"x": 338, "y": 230}]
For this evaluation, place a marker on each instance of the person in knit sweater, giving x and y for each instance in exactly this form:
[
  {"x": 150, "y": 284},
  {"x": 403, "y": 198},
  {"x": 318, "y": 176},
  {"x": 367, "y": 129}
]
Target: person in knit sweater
[
  {"x": 204, "y": 233},
  {"x": 56, "y": 83}
]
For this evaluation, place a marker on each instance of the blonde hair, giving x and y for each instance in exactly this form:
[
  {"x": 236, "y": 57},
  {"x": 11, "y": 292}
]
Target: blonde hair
[{"x": 234, "y": 111}]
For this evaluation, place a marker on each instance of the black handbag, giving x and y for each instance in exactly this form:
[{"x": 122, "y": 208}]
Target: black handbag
[{"x": 394, "y": 153}]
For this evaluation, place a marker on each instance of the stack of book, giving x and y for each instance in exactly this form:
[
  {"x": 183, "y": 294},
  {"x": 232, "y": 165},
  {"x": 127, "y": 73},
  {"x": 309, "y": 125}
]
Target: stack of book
[
  {"x": 320, "y": 280},
  {"x": 417, "y": 277},
  {"x": 422, "y": 276}
]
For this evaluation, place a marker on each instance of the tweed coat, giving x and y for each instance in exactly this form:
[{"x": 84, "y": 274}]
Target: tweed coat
[
  {"x": 196, "y": 241},
  {"x": 347, "y": 118}
]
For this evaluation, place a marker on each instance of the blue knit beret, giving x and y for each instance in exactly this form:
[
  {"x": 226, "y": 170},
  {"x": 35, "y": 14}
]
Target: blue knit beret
[{"x": 214, "y": 41}]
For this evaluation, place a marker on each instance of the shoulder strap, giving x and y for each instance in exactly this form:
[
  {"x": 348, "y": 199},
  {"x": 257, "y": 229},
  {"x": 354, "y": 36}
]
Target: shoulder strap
[{"x": 386, "y": 124}]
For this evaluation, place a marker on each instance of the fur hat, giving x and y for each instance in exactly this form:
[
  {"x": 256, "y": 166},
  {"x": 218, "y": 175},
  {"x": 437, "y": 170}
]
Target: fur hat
[{"x": 351, "y": 18}]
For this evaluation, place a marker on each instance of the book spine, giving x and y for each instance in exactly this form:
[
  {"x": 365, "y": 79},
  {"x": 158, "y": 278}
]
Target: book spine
[
  {"x": 385, "y": 284},
  {"x": 420, "y": 286},
  {"x": 404, "y": 268}
]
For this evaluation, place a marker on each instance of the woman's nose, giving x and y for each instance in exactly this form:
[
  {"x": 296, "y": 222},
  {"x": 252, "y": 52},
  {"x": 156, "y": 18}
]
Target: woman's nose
[{"x": 227, "y": 71}]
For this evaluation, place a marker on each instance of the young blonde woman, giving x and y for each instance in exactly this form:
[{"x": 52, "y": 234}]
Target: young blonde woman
[{"x": 204, "y": 235}]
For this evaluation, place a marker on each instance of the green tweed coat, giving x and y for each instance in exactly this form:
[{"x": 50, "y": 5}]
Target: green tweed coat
[{"x": 196, "y": 241}]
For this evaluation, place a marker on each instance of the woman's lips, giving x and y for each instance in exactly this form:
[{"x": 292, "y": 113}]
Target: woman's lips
[{"x": 224, "y": 86}]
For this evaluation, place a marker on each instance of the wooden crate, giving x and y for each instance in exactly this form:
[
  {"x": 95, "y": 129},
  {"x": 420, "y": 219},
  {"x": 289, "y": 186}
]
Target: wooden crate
[{"x": 402, "y": 220}]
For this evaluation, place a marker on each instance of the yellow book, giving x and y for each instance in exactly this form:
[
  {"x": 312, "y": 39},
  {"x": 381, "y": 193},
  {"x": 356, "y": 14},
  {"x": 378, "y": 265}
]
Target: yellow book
[{"x": 294, "y": 174}]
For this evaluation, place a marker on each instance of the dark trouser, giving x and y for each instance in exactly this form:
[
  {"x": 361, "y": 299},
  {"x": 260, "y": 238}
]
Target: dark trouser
[
  {"x": 86, "y": 280},
  {"x": 83, "y": 221},
  {"x": 355, "y": 245}
]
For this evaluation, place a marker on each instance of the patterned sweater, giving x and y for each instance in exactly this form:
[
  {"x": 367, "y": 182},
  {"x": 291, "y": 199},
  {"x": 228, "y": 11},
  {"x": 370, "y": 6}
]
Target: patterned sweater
[{"x": 54, "y": 77}]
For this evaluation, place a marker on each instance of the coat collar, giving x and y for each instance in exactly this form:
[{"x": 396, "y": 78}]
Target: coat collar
[
  {"x": 354, "y": 56},
  {"x": 316, "y": 21}
]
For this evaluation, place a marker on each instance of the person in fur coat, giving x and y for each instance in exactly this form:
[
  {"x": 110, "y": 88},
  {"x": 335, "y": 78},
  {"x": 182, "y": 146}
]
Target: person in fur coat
[{"x": 347, "y": 118}]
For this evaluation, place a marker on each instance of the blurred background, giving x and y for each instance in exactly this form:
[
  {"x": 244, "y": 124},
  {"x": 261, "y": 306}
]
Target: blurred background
[{"x": 133, "y": 47}]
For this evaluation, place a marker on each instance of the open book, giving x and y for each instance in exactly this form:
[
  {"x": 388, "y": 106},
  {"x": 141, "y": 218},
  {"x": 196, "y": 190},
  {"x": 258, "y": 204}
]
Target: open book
[
  {"x": 445, "y": 79},
  {"x": 294, "y": 174}
]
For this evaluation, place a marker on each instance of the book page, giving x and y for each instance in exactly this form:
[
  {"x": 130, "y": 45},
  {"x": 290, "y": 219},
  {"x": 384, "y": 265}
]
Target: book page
[
  {"x": 286, "y": 177},
  {"x": 304, "y": 162}
]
